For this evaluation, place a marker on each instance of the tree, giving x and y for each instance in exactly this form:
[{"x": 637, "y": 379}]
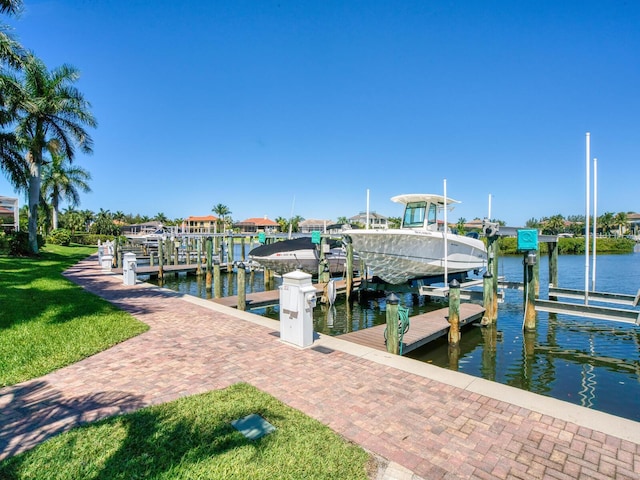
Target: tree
[
  {"x": 62, "y": 180},
  {"x": 621, "y": 220},
  {"x": 51, "y": 115},
  {"x": 553, "y": 225},
  {"x": 104, "y": 224},
  {"x": 72, "y": 220},
  {"x": 295, "y": 223},
  {"x": 606, "y": 222},
  {"x": 394, "y": 222},
  {"x": 283, "y": 223},
  {"x": 460, "y": 225},
  {"x": 12, "y": 163},
  {"x": 161, "y": 217},
  {"x": 532, "y": 223},
  {"x": 223, "y": 213}
]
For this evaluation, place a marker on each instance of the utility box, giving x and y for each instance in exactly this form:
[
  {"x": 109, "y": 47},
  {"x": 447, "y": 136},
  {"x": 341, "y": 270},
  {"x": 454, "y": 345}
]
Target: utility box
[
  {"x": 107, "y": 261},
  {"x": 527, "y": 240},
  {"x": 297, "y": 301},
  {"x": 129, "y": 266}
]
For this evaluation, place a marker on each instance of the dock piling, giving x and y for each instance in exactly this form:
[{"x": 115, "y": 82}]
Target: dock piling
[
  {"x": 242, "y": 287},
  {"x": 209, "y": 260},
  {"x": 392, "y": 324},
  {"x": 454, "y": 312}
]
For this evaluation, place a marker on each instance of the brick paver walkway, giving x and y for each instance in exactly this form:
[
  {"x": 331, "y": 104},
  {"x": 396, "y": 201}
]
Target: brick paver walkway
[{"x": 431, "y": 428}]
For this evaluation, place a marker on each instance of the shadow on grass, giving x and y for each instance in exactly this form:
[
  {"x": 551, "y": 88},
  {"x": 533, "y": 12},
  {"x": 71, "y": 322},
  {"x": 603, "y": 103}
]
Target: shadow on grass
[{"x": 33, "y": 412}]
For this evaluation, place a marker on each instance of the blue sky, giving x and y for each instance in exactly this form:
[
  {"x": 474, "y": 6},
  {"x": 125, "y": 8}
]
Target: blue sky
[{"x": 273, "y": 106}]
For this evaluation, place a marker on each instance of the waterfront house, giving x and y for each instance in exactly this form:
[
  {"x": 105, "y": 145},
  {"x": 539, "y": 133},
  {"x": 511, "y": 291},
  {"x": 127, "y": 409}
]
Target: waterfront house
[
  {"x": 206, "y": 224},
  {"x": 256, "y": 225},
  {"x": 313, "y": 225},
  {"x": 9, "y": 214},
  {"x": 375, "y": 220}
]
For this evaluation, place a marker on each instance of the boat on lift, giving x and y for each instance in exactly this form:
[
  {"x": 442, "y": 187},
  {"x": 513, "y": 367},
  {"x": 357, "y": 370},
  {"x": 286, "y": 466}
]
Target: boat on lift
[
  {"x": 422, "y": 247},
  {"x": 299, "y": 254}
]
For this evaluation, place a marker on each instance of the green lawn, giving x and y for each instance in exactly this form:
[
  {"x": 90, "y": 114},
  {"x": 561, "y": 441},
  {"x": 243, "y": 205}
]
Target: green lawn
[
  {"x": 192, "y": 438},
  {"x": 47, "y": 322}
]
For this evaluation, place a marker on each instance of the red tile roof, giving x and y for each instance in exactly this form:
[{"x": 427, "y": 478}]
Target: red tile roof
[
  {"x": 209, "y": 218},
  {"x": 260, "y": 222}
]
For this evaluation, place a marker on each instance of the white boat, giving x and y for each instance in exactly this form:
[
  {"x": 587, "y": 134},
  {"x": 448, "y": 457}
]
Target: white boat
[
  {"x": 417, "y": 249},
  {"x": 299, "y": 253}
]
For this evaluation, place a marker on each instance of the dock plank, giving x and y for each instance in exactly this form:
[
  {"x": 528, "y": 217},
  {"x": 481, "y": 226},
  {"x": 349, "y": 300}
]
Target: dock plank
[{"x": 423, "y": 328}]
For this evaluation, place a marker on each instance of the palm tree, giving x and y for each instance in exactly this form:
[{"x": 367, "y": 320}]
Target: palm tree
[
  {"x": 62, "y": 180},
  {"x": 161, "y": 217},
  {"x": 554, "y": 225},
  {"x": 12, "y": 163},
  {"x": 606, "y": 222},
  {"x": 460, "y": 225},
  {"x": 622, "y": 222},
  {"x": 223, "y": 213},
  {"x": 52, "y": 115}
]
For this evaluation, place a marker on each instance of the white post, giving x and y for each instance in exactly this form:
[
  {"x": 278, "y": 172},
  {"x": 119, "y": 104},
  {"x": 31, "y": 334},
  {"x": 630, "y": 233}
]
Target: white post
[
  {"x": 595, "y": 221},
  {"x": 446, "y": 247},
  {"x": 586, "y": 225},
  {"x": 489, "y": 217},
  {"x": 367, "y": 227}
]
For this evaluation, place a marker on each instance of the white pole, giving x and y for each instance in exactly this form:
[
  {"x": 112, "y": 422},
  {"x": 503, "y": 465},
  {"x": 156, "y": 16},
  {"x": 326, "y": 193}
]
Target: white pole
[
  {"x": 489, "y": 218},
  {"x": 586, "y": 226},
  {"x": 595, "y": 221},
  {"x": 367, "y": 227},
  {"x": 446, "y": 247}
]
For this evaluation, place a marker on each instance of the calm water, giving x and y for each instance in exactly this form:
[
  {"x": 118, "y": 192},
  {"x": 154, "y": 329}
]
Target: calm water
[{"x": 588, "y": 362}]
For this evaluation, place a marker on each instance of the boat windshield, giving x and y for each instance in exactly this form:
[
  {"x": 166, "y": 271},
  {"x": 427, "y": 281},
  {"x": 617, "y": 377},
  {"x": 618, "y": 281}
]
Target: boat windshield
[{"x": 414, "y": 214}]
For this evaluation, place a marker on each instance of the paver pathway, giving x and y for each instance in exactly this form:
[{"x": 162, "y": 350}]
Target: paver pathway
[{"x": 426, "y": 426}]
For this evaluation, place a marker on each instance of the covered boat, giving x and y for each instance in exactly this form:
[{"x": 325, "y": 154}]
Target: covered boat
[
  {"x": 299, "y": 253},
  {"x": 419, "y": 248}
]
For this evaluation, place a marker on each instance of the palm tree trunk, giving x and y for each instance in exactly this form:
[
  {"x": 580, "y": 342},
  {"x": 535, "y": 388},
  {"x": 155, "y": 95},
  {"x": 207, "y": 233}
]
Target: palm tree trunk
[
  {"x": 54, "y": 216},
  {"x": 34, "y": 200}
]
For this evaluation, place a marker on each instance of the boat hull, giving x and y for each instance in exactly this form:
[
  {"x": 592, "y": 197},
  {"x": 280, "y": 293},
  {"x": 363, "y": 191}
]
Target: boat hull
[{"x": 399, "y": 255}]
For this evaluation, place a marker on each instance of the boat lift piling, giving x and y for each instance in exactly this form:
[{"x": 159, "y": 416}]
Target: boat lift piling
[{"x": 208, "y": 278}]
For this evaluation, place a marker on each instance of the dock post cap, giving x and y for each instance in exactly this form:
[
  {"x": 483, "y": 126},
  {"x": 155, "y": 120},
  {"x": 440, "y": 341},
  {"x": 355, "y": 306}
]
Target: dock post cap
[
  {"x": 454, "y": 284},
  {"x": 393, "y": 299}
]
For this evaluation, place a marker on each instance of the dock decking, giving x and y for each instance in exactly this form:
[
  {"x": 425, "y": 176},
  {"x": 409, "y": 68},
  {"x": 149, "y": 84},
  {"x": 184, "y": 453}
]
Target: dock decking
[{"x": 423, "y": 328}]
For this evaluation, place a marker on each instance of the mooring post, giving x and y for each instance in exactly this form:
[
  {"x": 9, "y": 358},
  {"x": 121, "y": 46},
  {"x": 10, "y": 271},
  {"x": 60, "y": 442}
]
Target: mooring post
[
  {"x": 454, "y": 312},
  {"x": 393, "y": 345},
  {"x": 176, "y": 251},
  {"x": 349, "y": 268},
  {"x": 267, "y": 278},
  {"x": 207, "y": 283},
  {"x": 242, "y": 249},
  {"x": 167, "y": 251},
  {"x": 217, "y": 283},
  {"x": 494, "y": 254},
  {"x": 530, "y": 291},
  {"x": 553, "y": 266},
  {"x": 160, "y": 260},
  {"x": 230, "y": 253},
  {"x": 151, "y": 258},
  {"x": 198, "y": 256},
  {"x": 487, "y": 298},
  {"x": 188, "y": 244},
  {"x": 242, "y": 287}
]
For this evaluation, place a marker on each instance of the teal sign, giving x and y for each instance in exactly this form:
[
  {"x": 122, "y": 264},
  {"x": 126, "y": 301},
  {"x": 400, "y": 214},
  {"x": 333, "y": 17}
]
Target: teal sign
[
  {"x": 262, "y": 238},
  {"x": 315, "y": 237},
  {"x": 527, "y": 240}
]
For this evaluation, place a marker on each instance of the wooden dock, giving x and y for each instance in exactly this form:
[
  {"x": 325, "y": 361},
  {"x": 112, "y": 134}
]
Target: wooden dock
[
  {"x": 153, "y": 271},
  {"x": 272, "y": 297},
  {"x": 423, "y": 328}
]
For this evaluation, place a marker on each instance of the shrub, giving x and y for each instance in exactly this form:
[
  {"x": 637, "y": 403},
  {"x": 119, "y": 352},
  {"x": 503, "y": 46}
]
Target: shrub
[{"x": 60, "y": 236}]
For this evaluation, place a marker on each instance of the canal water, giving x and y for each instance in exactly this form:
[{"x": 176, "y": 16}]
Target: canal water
[{"x": 593, "y": 363}]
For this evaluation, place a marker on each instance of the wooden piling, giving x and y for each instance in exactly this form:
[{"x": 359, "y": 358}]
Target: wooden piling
[
  {"x": 199, "y": 256},
  {"x": 529, "y": 296},
  {"x": 242, "y": 287},
  {"x": 217, "y": 282},
  {"x": 242, "y": 249},
  {"x": 487, "y": 299},
  {"x": 349, "y": 267},
  {"x": 160, "y": 260},
  {"x": 208, "y": 278},
  {"x": 454, "y": 312},
  {"x": 553, "y": 266},
  {"x": 151, "y": 259},
  {"x": 176, "y": 252},
  {"x": 492, "y": 267},
  {"x": 230, "y": 251},
  {"x": 393, "y": 344}
]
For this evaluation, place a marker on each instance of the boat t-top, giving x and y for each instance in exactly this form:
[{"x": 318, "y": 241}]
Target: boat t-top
[{"x": 417, "y": 249}]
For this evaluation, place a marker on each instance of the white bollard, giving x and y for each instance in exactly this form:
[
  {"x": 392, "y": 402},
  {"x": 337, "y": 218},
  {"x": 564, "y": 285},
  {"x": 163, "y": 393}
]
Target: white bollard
[
  {"x": 107, "y": 260},
  {"x": 129, "y": 266},
  {"x": 297, "y": 300}
]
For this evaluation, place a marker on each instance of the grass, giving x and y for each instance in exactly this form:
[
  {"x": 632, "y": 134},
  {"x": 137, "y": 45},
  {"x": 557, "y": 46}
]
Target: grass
[
  {"x": 48, "y": 322},
  {"x": 192, "y": 438}
]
